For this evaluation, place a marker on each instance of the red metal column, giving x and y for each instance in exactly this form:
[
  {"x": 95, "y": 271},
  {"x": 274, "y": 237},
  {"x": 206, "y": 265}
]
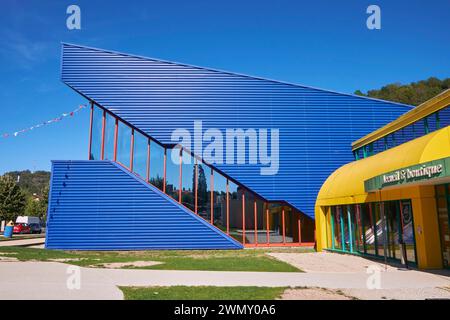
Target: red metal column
[
  {"x": 116, "y": 132},
  {"x": 90, "y": 130},
  {"x": 267, "y": 224},
  {"x": 148, "y": 161},
  {"x": 132, "y": 150},
  {"x": 299, "y": 230},
  {"x": 196, "y": 186},
  {"x": 243, "y": 218},
  {"x": 102, "y": 151},
  {"x": 284, "y": 226},
  {"x": 255, "y": 218},
  {"x": 164, "y": 178},
  {"x": 228, "y": 210},
  {"x": 212, "y": 198},
  {"x": 181, "y": 175}
]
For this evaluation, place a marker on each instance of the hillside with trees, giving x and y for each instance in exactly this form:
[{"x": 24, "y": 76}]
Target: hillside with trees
[
  {"x": 24, "y": 193},
  {"x": 414, "y": 93},
  {"x": 31, "y": 183}
]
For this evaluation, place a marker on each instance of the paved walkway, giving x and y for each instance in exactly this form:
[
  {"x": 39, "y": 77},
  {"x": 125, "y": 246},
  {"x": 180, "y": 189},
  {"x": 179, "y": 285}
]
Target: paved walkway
[
  {"x": 48, "y": 280},
  {"x": 22, "y": 242}
]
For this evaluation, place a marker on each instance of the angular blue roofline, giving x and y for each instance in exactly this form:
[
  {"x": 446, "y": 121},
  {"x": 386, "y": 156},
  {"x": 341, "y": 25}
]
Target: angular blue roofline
[{"x": 228, "y": 72}]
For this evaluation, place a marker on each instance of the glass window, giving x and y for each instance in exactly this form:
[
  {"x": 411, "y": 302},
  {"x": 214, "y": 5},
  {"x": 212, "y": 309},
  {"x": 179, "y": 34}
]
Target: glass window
[
  {"x": 408, "y": 230},
  {"x": 188, "y": 180},
  {"x": 250, "y": 226},
  {"x": 345, "y": 228},
  {"x": 140, "y": 150},
  {"x": 419, "y": 128},
  {"x": 173, "y": 173},
  {"x": 350, "y": 216},
  {"x": 408, "y": 133},
  {"x": 220, "y": 201},
  {"x": 109, "y": 136},
  {"x": 261, "y": 221},
  {"x": 444, "y": 228},
  {"x": 378, "y": 228},
  {"x": 358, "y": 229},
  {"x": 204, "y": 191},
  {"x": 156, "y": 165},
  {"x": 235, "y": 203},
  {"x": 393, "y": 230},
  {"x": 275, "y": 223},
  {"x": 368, "y": 229},
  {"x": 444, "y": 117},
  {"x": 336, "y": 222},
  {"x": 124, "y": 144},
  {"x": 360, "y": 153},
  {"x": 390, "y": 141},
  {"x": 290, "y": 225},
  {"x": 432, "y": 123},
  {"x": 96, "y": 139}
]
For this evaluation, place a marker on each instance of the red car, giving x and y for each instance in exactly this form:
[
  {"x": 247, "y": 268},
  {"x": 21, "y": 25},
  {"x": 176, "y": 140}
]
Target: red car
[{"x": 21, "y": 228}]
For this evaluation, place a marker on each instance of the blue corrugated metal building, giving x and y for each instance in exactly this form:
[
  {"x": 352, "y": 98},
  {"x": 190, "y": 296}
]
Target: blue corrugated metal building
[{"x": 151, "y": 98}]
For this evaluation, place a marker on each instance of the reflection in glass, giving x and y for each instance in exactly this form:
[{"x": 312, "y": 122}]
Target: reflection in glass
[
  {"x": 156, "y": 165},
  {"x": 392, "y": 227},
  {"x": 379, "y": 241},
  {"x": 188, "y": 181},
  {"x": 235, "y": 203},
  {"x": 369, "y": 234},
  {"x": 249, "y": 217},
  {"x": 358, "y": 229},
  {"x": 261, "y": 221},
  {"x": 220, "y": 201},
  {"x": 173, "y": 173},
  {"x": 275, "y": 223},
  {"x": 140, "y": 150},
  {"x": 204, "y": 191},
  {"x": 444, "y": 227},
  {"x": 290, "y": 225},
  {"x": 124, "y": 144},
  {"x": 96, "y": 139},
  {"x": 110, "y": 127},
  {"x": 336, "y": 228},
  {"x": 408, "y": 230}
]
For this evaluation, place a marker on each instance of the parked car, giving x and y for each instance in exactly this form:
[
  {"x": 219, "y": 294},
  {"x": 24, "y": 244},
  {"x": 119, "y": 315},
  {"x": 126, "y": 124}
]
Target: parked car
[
  {"x": 28, "y": 219},
  {"x": 21, "y": 228},
  {"x": 35, "y": 228}
]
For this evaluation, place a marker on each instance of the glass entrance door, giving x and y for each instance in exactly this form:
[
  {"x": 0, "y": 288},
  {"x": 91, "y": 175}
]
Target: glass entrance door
[{"x": 443, "y": 201}]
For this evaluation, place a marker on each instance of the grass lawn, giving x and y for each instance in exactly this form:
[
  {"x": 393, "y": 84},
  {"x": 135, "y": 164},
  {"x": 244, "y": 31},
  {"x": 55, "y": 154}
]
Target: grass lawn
[
  {"x": 216, "y": 260},
  {"x": 202, "y": 293}
]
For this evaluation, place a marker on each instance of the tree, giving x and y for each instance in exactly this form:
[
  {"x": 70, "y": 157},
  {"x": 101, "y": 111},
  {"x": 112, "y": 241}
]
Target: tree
[
  {"x": 414, "y": 93},
  {"x": 202, "y": 191},
  {"x": 12, "y": 199},
  {"x": 37, "y": 207},
  {"x": 31, "y": 183}
]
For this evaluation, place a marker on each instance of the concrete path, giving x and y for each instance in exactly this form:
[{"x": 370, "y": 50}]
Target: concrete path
[
  {"x": 49, "y": 280},
  {"x": 22, "y": 242}
]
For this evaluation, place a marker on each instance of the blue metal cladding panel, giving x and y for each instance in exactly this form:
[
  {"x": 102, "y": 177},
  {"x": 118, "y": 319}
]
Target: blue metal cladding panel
[
  {"x": 98, "y": 205},
  {"x": 316, "y": 126}
]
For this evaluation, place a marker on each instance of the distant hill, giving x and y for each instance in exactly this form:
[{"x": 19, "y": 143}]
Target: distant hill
[
  {"x": 31, "y": 182},
  {"x": 414, "y": 93}
]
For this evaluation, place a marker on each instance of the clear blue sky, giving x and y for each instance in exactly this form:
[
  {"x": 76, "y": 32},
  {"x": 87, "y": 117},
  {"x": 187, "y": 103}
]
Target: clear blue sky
[{"x": 318, "y": 43}]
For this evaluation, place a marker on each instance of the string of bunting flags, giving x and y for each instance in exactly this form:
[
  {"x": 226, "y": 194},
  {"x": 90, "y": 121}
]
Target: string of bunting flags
[{"x": 57, "y": 119}]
